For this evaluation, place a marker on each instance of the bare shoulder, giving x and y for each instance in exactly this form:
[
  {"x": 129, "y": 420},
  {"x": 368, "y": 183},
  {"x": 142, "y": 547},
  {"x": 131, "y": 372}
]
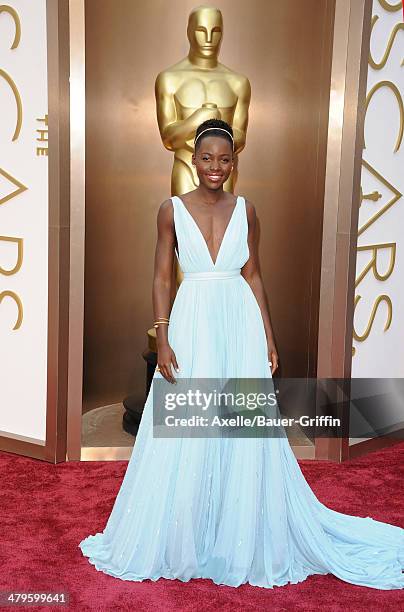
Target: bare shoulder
[
  {"x": 165, "y": 214},
  {"x": 251, "y": 212}
]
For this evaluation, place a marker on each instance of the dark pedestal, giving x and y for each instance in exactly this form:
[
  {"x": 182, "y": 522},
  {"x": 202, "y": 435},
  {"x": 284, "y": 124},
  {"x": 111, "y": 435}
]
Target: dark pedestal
[{"x": 134, "y": 409}]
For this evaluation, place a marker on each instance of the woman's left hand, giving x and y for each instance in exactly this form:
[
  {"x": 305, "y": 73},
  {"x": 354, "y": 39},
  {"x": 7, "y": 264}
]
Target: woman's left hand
[{"x": 273, "y": 357}]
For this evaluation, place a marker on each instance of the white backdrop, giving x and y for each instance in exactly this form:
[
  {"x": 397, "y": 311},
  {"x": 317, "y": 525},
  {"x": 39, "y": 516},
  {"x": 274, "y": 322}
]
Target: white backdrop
[
  {"x": 379, "y": 296},
  {"x": 23, "y": 351}
]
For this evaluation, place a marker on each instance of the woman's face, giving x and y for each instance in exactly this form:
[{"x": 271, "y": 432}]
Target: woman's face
[{"x": 213, "y": 161}]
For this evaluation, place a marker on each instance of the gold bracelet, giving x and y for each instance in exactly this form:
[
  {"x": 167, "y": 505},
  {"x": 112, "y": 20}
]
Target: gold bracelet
[{"x": 158, "y": 323}]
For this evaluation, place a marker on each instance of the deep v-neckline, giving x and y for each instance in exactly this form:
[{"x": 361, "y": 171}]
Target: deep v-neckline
[{"x": 202, "y": 236}]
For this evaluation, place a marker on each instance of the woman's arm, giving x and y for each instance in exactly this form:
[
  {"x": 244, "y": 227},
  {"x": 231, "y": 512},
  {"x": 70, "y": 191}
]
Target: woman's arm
[
  {"x": 163, "y": 274},
  {"x": 252, "y": 274}
]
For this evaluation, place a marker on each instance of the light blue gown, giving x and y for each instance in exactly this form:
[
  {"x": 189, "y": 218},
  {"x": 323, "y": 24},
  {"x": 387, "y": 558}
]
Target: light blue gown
[{"x": 232, "y": 510}]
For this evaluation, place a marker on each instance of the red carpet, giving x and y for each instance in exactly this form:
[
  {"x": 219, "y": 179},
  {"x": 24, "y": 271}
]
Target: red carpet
[{"x": 46, "y": 510}]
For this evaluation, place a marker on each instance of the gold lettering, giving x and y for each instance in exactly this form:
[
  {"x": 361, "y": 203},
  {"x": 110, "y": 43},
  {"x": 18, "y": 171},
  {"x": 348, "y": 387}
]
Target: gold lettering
[
  {"x": 382, "y": 63},
  {"x": 17, "y": 300},
  {"x": 18, "y": 265},
  {"x": 381, "y": 298},
  {"x": 372, "y": 265},
  {"x": 391, "y": 8},
  {"x": 397, "y": 94},
  {"x": 17, "y": 36},
  {"x": 43, "y": 119},
  {"x": 43, "y": 135},
  {"x": 18, "y": 102},
  {"x": 20, "y": 187},
  {"x": 375, "y": 195},
  {"x": 14, "y": 181}
]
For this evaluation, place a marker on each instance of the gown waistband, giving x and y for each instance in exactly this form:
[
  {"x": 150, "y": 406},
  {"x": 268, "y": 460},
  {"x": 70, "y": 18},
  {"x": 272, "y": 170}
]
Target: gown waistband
[{"x": 212, "y": 275}]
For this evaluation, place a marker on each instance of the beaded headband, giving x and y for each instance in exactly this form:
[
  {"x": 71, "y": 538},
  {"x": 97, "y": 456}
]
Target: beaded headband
[{"x": 214, "y": 128}]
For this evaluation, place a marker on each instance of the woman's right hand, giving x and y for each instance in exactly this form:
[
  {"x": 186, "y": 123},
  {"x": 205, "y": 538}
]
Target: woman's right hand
[{"x": 165, "y": 358}]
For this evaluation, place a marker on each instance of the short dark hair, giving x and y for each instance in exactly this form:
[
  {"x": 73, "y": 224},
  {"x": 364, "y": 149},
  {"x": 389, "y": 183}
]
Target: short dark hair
[{"x": 214, "y": 123}]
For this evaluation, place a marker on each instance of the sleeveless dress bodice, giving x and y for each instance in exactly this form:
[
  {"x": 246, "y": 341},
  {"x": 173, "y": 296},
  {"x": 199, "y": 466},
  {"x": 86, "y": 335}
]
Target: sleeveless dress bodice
[{"x": 193, "y": 253}]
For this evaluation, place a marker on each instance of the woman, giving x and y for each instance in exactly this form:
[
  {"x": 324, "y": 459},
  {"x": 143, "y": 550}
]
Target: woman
[{"x": 232, "y": 509}]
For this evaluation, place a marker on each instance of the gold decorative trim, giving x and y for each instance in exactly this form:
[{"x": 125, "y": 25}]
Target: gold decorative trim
[{"x": 385, "y": 182}]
